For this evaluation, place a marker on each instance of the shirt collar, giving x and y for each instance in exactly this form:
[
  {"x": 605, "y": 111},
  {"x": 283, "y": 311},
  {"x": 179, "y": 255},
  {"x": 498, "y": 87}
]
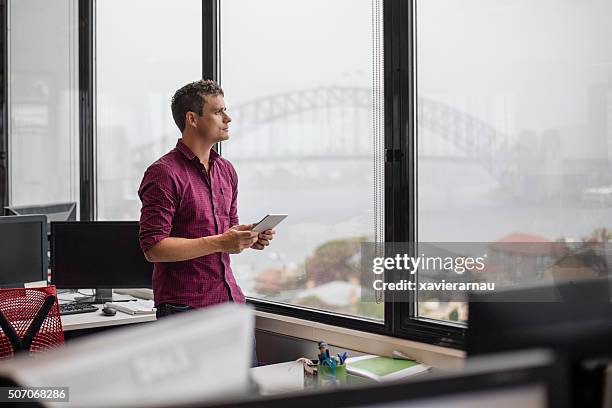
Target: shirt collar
[{"x": 186, "y": 151}]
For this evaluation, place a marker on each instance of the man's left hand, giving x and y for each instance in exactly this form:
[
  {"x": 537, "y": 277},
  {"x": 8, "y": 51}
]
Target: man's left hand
[{"x": 264, "y": 239}]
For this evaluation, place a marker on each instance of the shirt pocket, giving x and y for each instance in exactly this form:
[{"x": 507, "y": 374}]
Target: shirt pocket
[
  {"x": 225, "y": 198},
  {"x": 195, "y": 216}
]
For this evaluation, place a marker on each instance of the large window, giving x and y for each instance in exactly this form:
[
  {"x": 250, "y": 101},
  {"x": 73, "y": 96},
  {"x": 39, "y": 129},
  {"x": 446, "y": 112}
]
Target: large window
[
  {"x": 43, "y": 101},
  {"x": 145, "y": 51},
  {"x": 302, "y": 81},
  {"x": 514, "y": 124}
]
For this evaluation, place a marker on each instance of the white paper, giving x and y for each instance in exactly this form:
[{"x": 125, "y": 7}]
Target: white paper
[{"x": 279, "y": 378}]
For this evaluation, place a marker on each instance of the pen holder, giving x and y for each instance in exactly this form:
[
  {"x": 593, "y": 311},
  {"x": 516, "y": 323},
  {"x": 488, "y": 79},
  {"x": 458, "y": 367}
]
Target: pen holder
[{"x": 327, "y": 377}]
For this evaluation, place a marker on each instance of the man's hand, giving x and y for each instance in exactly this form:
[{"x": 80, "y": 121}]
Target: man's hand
[
  {"x": 238, "y": 238},
  {"x": 263, "y": 239}
]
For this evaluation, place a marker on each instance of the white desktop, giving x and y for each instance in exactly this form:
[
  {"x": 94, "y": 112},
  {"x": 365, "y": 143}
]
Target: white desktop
[{"x": 97, "y": 319}]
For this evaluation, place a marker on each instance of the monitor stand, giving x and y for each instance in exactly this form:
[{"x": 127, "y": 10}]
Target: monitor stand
[{"x": 101, "y": 296}]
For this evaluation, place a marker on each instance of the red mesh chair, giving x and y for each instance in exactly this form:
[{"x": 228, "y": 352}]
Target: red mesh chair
[{"x": 30, "y": 320}]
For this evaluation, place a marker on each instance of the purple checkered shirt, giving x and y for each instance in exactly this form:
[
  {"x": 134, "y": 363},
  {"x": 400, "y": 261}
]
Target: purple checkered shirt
[{"x": 179, "y": 199}]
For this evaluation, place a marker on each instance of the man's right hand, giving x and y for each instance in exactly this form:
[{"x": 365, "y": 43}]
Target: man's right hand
[{"x": 238, "y": 238}]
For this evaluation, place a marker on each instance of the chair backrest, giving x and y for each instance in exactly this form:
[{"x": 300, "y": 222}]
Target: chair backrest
[{"x": 30, "y": 320}]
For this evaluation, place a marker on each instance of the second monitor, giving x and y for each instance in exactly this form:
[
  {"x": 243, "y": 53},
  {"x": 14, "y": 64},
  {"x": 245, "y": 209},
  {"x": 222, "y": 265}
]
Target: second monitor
[
  {"x": 54, "y": 212},
  {"x": 98, "y": 254}
]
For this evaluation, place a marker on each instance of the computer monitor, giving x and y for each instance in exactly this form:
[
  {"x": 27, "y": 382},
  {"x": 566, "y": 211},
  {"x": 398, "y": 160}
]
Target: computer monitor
[
  {"x": 23, "y": 250},
  {"x": 98, "y": 254},
  {"x": 54, "y": 212},
  {"x": 531, "y": 379},
  {"x": 574, "y": 318}
]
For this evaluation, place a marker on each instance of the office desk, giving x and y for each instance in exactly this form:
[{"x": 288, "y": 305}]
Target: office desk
[{"x": 97, "y": 320}]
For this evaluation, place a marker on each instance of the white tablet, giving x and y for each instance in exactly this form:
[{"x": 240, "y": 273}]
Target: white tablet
[{"x": 268, "y": 222}]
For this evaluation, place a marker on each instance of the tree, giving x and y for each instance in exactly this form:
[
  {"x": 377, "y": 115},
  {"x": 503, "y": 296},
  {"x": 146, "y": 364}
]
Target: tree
[{"x": 334, "y": 260}]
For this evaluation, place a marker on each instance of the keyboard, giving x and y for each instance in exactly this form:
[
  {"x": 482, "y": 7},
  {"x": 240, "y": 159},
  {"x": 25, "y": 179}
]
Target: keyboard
[{"x": 74, "y": 308}]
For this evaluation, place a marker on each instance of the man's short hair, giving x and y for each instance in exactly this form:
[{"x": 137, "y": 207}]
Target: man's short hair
[{"x": 191, "y": 98}]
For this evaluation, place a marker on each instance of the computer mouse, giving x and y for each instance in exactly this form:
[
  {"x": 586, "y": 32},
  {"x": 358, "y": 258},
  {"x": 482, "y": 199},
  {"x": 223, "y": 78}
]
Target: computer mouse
[{"x": 109, "y": 311}]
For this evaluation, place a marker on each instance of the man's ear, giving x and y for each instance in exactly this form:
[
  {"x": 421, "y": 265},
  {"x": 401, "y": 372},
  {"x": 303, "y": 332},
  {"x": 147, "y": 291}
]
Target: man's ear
[{"x": 190, "y": 119}]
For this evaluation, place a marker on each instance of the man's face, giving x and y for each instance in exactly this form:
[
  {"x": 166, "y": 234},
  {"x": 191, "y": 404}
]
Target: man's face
[{"x": 213, "y": 124}]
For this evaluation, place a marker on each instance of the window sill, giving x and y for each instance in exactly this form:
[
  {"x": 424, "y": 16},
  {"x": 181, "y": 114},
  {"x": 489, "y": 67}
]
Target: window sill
[{"x": 357, "y": 340}]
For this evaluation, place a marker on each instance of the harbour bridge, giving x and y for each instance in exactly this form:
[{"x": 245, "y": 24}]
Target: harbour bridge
[{"x": 335, "y": 123}]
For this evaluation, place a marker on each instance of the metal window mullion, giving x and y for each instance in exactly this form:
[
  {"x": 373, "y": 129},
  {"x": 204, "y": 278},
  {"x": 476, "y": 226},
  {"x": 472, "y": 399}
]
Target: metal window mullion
[
  {"x": 210, "y": 37},
  {"x": 399, "y": 218},
  {"x": 86, "y": 111},
  {"x": 4, "y": 102},
  {"x": 210, "y": 44}
]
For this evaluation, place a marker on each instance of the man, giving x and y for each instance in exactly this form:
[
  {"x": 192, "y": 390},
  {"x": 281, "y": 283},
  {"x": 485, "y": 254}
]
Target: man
[{"x": 189, "y": 218}]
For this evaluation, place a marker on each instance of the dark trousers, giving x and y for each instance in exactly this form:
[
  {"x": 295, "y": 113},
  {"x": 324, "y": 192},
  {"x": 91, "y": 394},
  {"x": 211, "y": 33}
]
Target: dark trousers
[{"x": 169, "y": 309}]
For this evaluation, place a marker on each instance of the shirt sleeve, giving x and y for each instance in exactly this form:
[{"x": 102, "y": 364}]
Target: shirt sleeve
[
  {"x": 233, "y": 212},
  {"x": 159, "y": 196}
]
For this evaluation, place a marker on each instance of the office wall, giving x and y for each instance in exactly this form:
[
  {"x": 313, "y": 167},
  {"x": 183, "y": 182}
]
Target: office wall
[{"x": 277, "y": 348}]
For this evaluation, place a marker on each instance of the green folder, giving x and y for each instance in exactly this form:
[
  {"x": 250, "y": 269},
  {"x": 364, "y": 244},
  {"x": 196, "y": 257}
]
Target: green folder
[{"x": 383, "y": 368}]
